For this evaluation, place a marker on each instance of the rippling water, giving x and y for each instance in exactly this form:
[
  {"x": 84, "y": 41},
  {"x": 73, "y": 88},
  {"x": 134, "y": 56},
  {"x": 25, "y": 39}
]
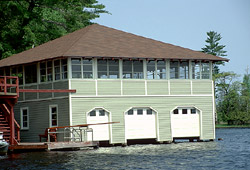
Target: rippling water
[{"x": 231, "y": 153}]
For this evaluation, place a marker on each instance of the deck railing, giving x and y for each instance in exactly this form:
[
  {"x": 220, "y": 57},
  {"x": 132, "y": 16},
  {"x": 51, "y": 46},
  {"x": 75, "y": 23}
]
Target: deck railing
[
  {"x": 9, "y": 85},
  {"x": 72, "y": 134}
]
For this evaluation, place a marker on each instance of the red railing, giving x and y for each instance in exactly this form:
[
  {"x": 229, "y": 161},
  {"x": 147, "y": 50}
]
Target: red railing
[{"x": 9, "y": 83}]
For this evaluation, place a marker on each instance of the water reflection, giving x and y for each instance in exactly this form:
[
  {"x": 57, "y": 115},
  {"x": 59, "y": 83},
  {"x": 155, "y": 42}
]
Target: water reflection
[{"x": 231, "y": 153}]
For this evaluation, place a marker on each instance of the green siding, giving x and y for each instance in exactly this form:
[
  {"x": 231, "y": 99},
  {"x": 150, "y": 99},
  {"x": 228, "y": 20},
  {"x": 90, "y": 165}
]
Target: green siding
[
  {"x": 180, "y": 87},
  {"x": 45, "y": 86},
  {"x": 202, "y": 87},
  {"x": 163, "y": 105},
  {"x": 39, "y": 117},
  {"x": 109, "y": 87},
  {"x": 84, "y": 87},
  {"x": 133, "y": 87},
  {"x": 30, "y": 96},
  {"x": 157, "y": 87},
  {"x": 61, "y": 85}
]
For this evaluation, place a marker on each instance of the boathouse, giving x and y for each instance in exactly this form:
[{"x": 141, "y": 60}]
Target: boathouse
[{"x": 157, "y": 91}]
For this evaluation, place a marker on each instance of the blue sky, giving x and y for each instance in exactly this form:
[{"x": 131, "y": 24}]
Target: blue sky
[{"x": 185, "y": 23}]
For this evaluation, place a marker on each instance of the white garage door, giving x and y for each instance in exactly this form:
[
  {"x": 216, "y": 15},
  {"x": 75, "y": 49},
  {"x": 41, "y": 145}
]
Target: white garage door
[
  {"x": 185, "y": 122},
  {"x": 140, "y": 123},
  {"x": 100, "y": 132}
]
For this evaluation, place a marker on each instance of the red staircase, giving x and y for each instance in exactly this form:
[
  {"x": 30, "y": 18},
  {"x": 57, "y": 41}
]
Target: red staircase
[
  {"x": 9, "y": 92},
  {"x": 4, "y": 127}
]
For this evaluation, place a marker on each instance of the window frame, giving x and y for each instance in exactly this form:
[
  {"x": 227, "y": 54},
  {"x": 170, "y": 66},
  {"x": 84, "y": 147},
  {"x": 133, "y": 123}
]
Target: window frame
[
  {"x": 133, "y": 73},
  {"x": 50, "y": 115},
  {"x": 22, "y": 116}
]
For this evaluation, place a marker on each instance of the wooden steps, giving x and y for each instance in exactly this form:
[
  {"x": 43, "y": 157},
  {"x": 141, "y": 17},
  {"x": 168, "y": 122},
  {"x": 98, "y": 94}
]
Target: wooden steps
[{"x": 4, "y": 127}]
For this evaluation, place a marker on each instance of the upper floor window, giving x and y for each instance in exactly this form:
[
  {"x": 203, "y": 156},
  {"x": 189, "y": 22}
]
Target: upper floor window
[
  {"x": 179, "y": 69},
  {"x": 82, "y": 68},
  {"x": 87, "y": 68},
  {"x": 133, "y": 69},
  {"x": 200, "y": 70},
  {"x": 76, "y": 68},
  {"x": 205, "y": 71},
  {"x": 60, "y": 69},
  {"x": 30, "y": 73},
  {"x": 156, "y": 69},
  {"x": 18, "y": 71},
  {"x": 45, "y": 71},
  {"x": 108, "y": 68}
]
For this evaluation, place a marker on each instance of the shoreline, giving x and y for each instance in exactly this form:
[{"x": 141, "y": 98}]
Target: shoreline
[{"x": 218, "y": 126}]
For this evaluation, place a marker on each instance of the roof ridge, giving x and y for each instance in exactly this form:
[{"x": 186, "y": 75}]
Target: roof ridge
[{"x": 86, "y": 30}]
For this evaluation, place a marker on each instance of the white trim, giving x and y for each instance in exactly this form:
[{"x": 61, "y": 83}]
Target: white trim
[
  {"x": 213, "y": 100},
  {"x": 21, "y": 118},
  {"x": 50, "y": 115},
  {"x": 45, "y": 99},
  {"x": 119, "y": 96},
  {"x": 142, "y": 107},
  {"x": 191, "y": 87},
  {"x": 188, "y": 107},
  {"x": 169, "y": 91},
  {"x": 109, "y": 117},
  {"x": 121, "y": 87},
  {"x": 96, "y": 87},
  {"x": 70, "y": 106}
]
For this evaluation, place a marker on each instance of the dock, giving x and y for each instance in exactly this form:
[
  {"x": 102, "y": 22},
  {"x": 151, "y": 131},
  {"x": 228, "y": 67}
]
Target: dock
[{"x": 52, "y": 146}]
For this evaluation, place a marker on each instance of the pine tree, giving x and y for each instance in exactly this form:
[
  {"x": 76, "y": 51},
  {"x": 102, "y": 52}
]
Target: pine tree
[{"x": 214, "y": 48}]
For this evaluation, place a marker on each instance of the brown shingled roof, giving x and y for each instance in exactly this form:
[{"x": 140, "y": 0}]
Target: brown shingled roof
[{"x": 100, "y": 41}]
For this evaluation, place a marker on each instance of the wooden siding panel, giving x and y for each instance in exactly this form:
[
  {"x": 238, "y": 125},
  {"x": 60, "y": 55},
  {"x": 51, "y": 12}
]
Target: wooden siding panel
[
  {"x": 163, "y": 106},
  {"x": 39, "y": 117},
  {"x": 30, "y": 96},
  {"x": 84, "y": 87},
  {"x": 61, "y": 85},
  {"x": 157, "y": 87},
  {"x": 133, "y": 87},
  {"x": 109, "y": 87},
  {"x": 45, "y": 86},
  {"x": 180, "y": 87},
  {"x": 202, "y": 87}
]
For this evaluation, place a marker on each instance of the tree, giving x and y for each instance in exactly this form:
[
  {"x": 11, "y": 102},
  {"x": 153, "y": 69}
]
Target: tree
[
  {"x": 227, "y": 96},
  {"x": 214, "y": 48},
  {"x": 28, "y": 23}
]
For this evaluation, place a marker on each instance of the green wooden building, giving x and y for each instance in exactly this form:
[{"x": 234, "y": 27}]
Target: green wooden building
[{"x": 155, "y": 90}]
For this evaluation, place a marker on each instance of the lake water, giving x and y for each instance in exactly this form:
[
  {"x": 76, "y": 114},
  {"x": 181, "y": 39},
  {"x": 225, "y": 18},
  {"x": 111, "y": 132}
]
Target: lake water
[{"x": 233, "y": 152}]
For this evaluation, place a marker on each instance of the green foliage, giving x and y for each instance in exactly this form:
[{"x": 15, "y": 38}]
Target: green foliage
[
  {"x": 233, "y": 98},
  {"x": 29, "y": 23},
  {"x": 214, "y": 48}
]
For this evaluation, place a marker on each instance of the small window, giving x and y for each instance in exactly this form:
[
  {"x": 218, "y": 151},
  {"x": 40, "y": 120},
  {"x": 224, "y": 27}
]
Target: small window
[
  {"x": 184, "y": 111},
  {"x": 149, "y": 111},
  {"x": 24, "y": 118},
  {"x": 139, "y": 112},
  {"x": 101, "y": 112},
  {"x": 176, "y": 111},
  {"x": 53, "y": 116},
  {"x": 193, "y": 111},
  {"x": 130, "y": 112},
  {"x": 92, "y": 113}
]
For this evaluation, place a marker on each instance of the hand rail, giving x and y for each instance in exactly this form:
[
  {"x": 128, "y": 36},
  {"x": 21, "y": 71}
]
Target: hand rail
[
  {"x": 82, "y": 125},
  {"x": 4, "y": 85}
]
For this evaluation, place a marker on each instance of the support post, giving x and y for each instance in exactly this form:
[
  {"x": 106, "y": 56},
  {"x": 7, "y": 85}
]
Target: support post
[{"x": 12, "y": 126}]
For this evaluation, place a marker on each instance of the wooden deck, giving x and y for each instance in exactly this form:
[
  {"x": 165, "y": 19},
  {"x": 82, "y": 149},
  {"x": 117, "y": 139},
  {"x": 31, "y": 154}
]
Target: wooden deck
[{"x": 50, "y": 146}]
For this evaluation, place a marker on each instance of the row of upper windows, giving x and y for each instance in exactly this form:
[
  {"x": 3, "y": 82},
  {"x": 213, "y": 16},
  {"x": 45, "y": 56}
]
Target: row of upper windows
[
  {"x": 87, "y": 68},
  {"x": 134, "y": 69}
]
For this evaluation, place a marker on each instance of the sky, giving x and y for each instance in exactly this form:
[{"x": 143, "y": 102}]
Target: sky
[{"x": 185, "y": 23}]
